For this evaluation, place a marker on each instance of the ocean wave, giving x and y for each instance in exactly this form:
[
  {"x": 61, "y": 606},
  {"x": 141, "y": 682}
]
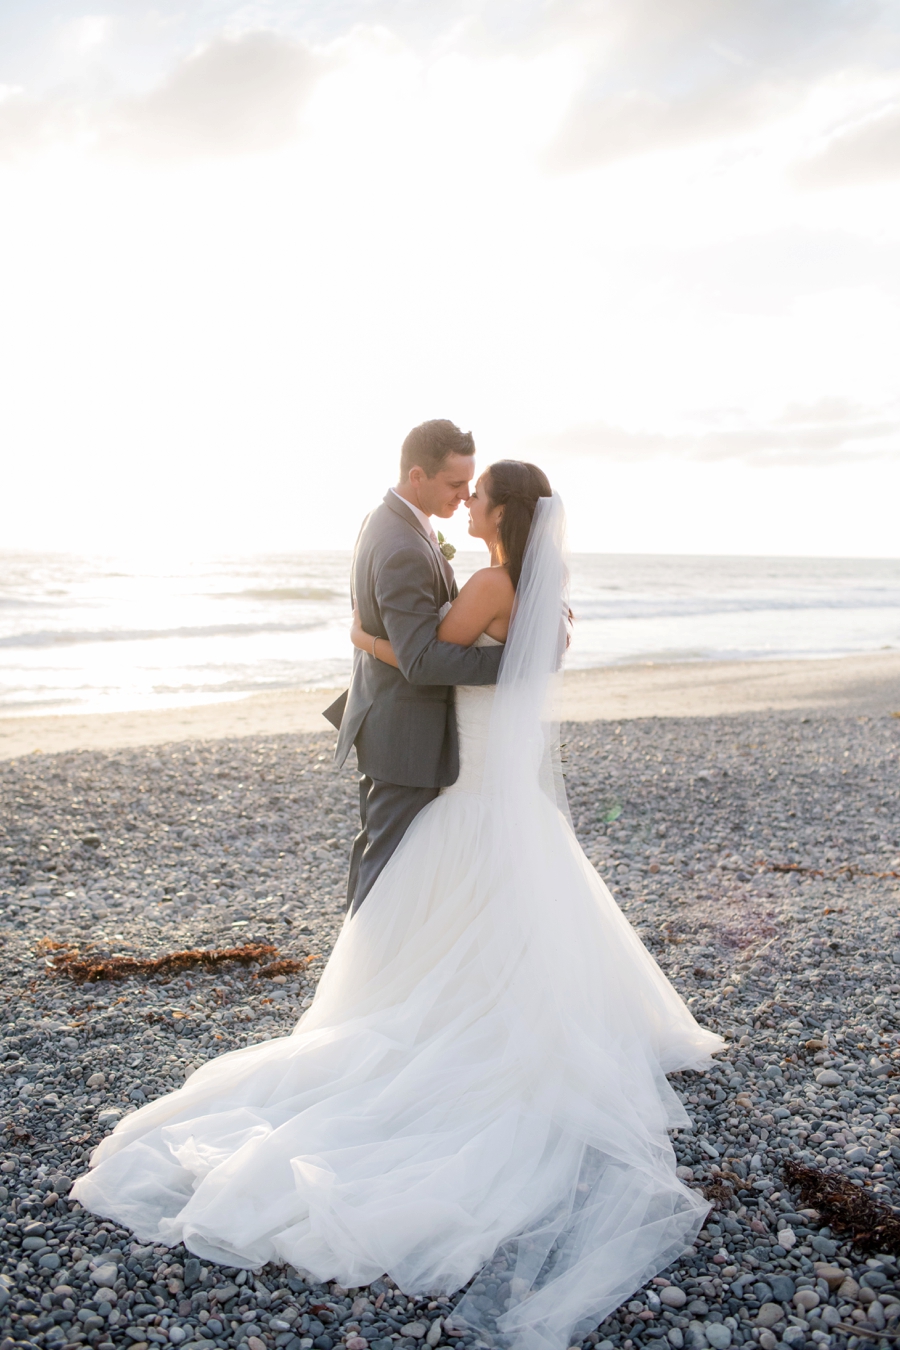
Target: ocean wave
[
  {"x": 90, "y": 634},
  {"x": 674, "y": 656},
  {"x": 282, "y": 593},
  {"x": 40, "y": 699},
  {"x": 49, "y": 637},
  {"x": 671, "y": 607},
  {"x": 316, "y": 594}
]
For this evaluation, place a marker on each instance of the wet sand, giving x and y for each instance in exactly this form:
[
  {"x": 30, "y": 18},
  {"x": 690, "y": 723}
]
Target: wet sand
[{"x": 862, "y": 685}]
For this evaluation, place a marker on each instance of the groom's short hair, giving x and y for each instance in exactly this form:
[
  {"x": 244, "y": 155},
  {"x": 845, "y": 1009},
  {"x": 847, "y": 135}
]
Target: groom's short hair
[{"x": 429, "y": 444}]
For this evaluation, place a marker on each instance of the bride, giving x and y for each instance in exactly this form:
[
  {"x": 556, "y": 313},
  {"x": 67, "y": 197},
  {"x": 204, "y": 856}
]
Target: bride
[{"x": 479, "y": 1084}]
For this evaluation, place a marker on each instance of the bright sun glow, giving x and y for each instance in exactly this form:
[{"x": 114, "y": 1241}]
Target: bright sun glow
[{"x": 237, "y": 263}]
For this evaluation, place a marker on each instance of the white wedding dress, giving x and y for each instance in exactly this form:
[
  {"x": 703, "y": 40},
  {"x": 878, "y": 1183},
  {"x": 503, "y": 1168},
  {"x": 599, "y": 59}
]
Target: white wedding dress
[{"x": 479, "y": 1082}]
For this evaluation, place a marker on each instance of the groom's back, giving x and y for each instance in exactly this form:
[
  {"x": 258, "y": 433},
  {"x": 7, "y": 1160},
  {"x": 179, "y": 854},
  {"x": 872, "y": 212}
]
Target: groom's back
[{"x": 404, "y": 733}]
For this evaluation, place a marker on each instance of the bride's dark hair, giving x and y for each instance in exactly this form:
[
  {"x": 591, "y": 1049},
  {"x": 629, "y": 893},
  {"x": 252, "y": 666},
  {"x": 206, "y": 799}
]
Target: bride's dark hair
[{"x": 516, "y": 486}]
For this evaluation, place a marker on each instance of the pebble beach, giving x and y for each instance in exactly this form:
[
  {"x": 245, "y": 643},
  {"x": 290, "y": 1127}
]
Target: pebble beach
[{"x": 758, "y": 856}]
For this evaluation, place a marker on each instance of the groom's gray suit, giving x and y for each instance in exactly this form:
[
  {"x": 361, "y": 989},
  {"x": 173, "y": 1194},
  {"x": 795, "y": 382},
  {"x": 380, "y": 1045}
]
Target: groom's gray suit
[{"x": 402, "y": 722}]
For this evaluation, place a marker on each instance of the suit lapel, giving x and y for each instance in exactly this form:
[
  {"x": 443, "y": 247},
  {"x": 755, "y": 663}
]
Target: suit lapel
[
  {"x": 448, "y": 574},
  {"x": 400, "y": 508}
]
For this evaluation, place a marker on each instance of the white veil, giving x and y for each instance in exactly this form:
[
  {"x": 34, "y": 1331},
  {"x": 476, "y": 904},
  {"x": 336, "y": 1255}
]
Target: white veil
[
  {"x": 601, "y": 1106},
  {"x": 524, "y": 734}
]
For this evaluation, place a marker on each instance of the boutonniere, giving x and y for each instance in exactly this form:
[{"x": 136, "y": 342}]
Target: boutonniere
[{"x": 448, "y": 550}]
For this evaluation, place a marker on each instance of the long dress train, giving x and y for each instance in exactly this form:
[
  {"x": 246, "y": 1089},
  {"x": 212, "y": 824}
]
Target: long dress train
[{"x": 479, "y": 1083}]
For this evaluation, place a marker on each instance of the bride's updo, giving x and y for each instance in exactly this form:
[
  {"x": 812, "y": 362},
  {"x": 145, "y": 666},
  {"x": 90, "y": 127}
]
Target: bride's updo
[{"x": 516, "y": 486}]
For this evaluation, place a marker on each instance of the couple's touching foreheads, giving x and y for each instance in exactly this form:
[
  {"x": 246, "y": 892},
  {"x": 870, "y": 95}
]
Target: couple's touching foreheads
[
  {"x": 479, "y": 1086},
  {"x": 417, "y": 635}
]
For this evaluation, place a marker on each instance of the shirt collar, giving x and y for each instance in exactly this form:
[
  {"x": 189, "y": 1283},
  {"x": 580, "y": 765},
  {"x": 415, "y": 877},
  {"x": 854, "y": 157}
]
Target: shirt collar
[{"x": 424, "y": 521}]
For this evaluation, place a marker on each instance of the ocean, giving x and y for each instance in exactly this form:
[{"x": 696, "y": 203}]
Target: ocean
[{"x": 80, "y": 634}]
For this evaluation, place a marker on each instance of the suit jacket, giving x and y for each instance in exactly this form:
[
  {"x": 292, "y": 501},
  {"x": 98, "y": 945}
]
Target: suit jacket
[{"x": 403, "y": 722}]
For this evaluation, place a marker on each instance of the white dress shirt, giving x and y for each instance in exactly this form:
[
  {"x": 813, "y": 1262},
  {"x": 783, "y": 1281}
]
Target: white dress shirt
[{"x": 424, "y": 521}]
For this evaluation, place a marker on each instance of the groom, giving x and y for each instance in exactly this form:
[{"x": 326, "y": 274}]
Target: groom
[{"x": 403, "y": 722}]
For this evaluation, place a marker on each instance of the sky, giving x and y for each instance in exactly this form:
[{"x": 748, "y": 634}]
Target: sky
[{"x": 651, "y": 245}]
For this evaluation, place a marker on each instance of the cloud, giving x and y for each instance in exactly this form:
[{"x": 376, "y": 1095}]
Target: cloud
[
  {"x": 600, "y": 131},
  {"x": 830, "y": 431},
  {"x": 234, "y": 95},
  {"x": 655, "y": 74},
  {"x": 867, "y": 152},
  {"x": 30, "y": 124},
  {"x": 687, "y": 71},
  {"x": 90, "y": 31}
]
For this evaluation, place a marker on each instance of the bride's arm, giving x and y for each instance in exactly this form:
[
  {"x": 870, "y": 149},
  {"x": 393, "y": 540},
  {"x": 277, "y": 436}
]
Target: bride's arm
[
  {"x": 485, "y": 599},
  {"x": 378, "y": 647}
]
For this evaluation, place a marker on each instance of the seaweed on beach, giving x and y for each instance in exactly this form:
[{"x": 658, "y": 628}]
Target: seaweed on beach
[
  {"x": 846, "y": 870},
  {"x": 287, "y": 966},
  {"x": 847, "y": 1208},
  {"x": 88, "y": 968},
  {"x": 721, "y": 1190}
]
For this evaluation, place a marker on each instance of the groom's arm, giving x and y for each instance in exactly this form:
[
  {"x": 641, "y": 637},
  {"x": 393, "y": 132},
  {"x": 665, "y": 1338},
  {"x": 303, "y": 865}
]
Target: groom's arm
[{"x": 404, "y": 589}]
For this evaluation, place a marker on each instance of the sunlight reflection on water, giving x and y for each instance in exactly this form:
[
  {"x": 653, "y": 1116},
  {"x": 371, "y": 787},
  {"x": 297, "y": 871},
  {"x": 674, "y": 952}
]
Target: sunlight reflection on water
[{"x": 87, "y": 635}]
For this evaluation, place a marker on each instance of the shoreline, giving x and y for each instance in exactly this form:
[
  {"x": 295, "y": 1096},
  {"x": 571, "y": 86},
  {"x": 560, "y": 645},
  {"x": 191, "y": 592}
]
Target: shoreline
[{"x": 866, "y": 685}]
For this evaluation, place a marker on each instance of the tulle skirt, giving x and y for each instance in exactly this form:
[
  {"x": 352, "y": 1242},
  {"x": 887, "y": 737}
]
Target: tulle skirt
[{"x": 480, "y": 1080}]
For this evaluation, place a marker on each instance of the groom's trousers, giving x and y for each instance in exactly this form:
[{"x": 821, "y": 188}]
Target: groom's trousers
[{"x": 386, "y": 812}]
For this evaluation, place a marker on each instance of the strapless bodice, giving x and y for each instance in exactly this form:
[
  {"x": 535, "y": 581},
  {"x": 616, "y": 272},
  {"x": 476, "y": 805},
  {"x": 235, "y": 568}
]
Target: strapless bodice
[{"x": 473, "y": 719}]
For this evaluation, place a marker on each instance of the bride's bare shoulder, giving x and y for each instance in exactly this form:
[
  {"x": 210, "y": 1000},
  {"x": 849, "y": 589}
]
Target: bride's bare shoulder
[
  {"x": 485, "y": 600},
  {"x": 491, "y": 581}
]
